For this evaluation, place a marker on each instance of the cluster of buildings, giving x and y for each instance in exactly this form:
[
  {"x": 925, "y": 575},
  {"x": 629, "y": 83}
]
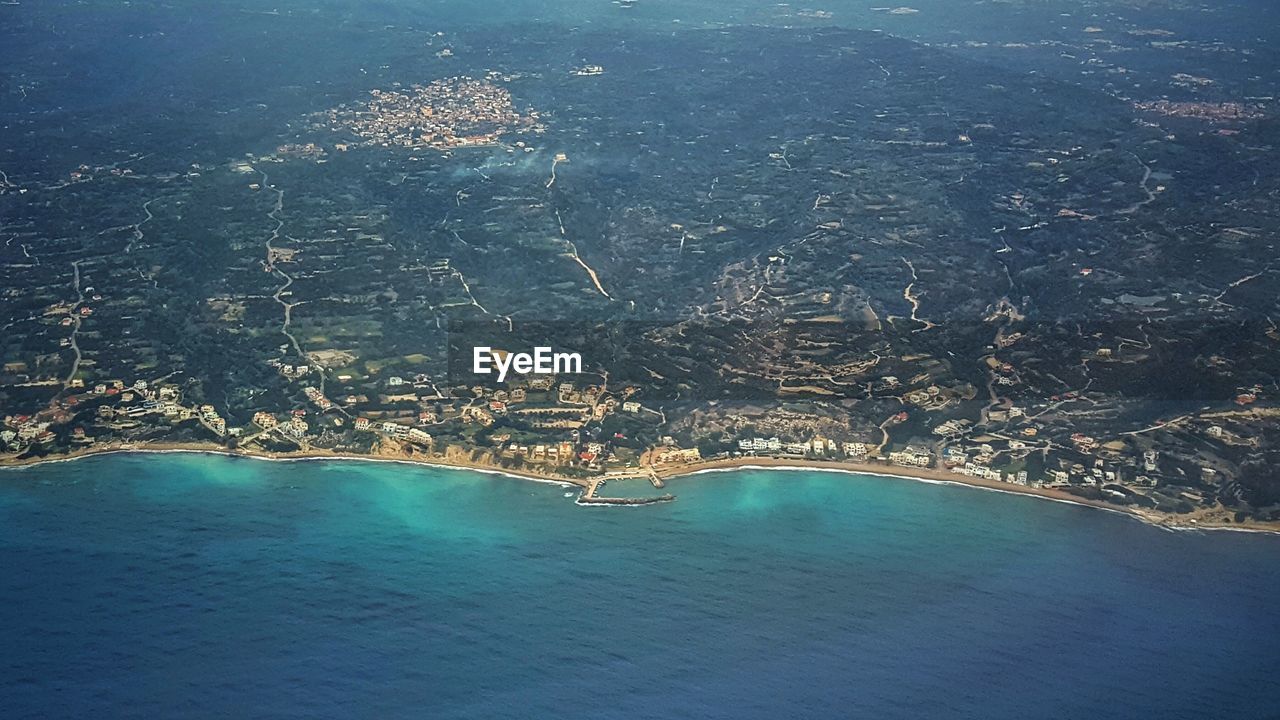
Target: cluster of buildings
[
  {"x": 952, "y": 428},
  {"x": 1226, "y": 111},
  {"x": 125, "y": 405},
  {"x": 911, "y": 457},
  {"x": 974, "y": 470},
  {"x": 450, "y": 113},
  {"x": 211, "y": 419},
  {"x": 295, "y": 428},
  {"x": 667, "y": 455},
  {"x": 300, "y": 150},
  {"x": 1099, "y": 474},
  {"x": 569, "y": 394},
  {"x": 141, "y": 399},
  {"x": 23, "y": 430},
  {"x": 818, "y": 446},
  {"x": 318, "y": 399},
  {"x": 554, "y": 453},
  {"x": 931, "y": 398},
  {"x": 394, "y": 430},
  {"x": 1084, "y": 443},
  {"x": 290, "y": 371}
]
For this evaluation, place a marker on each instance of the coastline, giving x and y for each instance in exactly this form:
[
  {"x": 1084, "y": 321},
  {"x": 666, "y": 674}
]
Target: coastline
[
  {"x": 586, "y": 485},
  {"x": 166, "y": 448},
  {"x": 935, "y": 476}
]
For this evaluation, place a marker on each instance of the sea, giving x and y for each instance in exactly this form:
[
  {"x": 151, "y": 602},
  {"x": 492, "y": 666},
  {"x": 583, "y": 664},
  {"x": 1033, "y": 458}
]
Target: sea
[{"x": 203, "y": 586}]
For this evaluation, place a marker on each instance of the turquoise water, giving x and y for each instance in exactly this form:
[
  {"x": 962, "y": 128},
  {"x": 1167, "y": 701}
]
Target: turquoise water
[{"x": 202, "y": 586}]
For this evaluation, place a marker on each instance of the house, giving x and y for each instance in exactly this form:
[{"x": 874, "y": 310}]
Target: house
[
  {"x": 954, "y": 457},
  {"x": 631, "y": 406},
  {"x": 395, "y": 429},
  {"x": 856, "y": 449},
  {"x": 29, "y": 432}
]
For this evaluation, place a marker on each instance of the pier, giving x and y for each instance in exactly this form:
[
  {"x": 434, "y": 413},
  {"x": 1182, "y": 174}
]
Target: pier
[{"x": 591, "y": 496}]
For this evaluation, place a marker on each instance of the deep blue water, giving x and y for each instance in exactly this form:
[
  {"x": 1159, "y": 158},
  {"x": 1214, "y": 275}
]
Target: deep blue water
[{"x": 199, "y": 586}]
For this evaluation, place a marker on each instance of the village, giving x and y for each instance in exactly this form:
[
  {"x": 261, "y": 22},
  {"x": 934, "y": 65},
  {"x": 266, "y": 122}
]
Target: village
[{"x": 450, "y": 113}]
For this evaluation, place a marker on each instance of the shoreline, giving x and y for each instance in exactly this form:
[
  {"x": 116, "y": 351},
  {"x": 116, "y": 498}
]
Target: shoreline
[
  {"x": 308, "y": 456},
  {"x": 932, "y": 476},
  {"x": 935, "y": 476}
]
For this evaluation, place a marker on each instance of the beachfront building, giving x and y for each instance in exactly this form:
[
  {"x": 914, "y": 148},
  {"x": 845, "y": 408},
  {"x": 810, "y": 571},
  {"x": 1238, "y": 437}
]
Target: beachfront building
[{"x": 911, "y": 457}]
